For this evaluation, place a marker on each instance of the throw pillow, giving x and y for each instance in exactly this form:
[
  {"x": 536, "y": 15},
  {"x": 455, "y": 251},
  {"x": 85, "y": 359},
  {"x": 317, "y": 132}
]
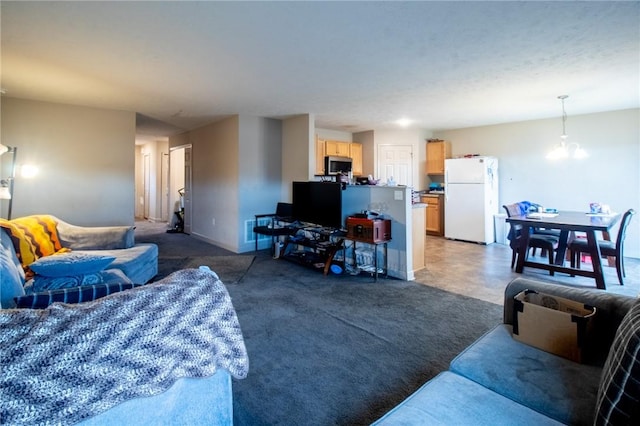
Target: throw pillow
[
  {"x": 619, "y": 391},
  {"x": 70, "y": 264},
  {"x": 71, "y": 295},
  {"x": 24, "y": 249},
  {"x": 41, "y": 231}
]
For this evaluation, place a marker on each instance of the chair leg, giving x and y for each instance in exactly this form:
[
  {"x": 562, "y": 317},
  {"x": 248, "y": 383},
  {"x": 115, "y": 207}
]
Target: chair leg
[
  {"x": 620, "y": 269},
  {"x": 513, "y": 258},
  {"x": 551, "y": 261},
  {"x": 256, "y": 238}
]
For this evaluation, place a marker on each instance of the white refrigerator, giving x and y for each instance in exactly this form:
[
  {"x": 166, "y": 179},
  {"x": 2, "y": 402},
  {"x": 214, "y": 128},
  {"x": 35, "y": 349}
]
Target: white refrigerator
[{"x": 471, "y": 198}]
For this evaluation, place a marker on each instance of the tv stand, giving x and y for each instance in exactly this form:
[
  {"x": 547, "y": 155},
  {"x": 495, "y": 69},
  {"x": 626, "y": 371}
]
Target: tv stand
[{"x": 314, "y": 247}]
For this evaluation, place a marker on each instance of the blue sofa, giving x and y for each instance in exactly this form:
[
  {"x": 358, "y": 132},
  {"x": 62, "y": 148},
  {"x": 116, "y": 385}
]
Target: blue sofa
[
  {"x": 500, "y": 381},
  {"x": 134, "y": 262},
  {"x": 157, "y": 354}
]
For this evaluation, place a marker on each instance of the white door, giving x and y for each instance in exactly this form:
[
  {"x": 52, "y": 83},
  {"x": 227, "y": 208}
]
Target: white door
[
  {"x": 187, "y": 190},
  {"x": 165, "y": 211},
  {"x": 395, "y": 161},
  {"x": 146, "y": 161}
]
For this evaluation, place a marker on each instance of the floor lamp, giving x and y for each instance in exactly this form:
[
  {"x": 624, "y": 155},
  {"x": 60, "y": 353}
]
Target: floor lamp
[{"x": 6, "y": 185}]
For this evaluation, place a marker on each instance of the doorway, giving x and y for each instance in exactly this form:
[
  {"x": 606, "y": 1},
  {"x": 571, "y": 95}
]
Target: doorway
[
  {"x": 396, "y": 161},
  {"x": 180, "y": 185}
]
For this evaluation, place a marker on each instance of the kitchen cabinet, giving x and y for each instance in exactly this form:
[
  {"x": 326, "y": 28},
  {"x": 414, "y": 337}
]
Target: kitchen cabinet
[
  {"x": 355, "y": 152},
  {"x": 352, "y": 150},
  {"x": 437, "y": 152},
  {"x": 320, "y": 149},
  {"x": 434, "y": 215},
  {"x": 338, "y": 148},
  {"x": 418, "y": 234}
]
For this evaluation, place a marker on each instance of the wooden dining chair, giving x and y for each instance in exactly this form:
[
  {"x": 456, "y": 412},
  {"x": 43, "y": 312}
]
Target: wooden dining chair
[
  {"x": 547, "y": 243},
  {"x": 607, "y": 248}
]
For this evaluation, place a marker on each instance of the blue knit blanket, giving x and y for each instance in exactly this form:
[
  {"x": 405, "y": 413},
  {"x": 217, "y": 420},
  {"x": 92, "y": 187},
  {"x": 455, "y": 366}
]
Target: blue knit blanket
[{"x": 67, "y": 363}]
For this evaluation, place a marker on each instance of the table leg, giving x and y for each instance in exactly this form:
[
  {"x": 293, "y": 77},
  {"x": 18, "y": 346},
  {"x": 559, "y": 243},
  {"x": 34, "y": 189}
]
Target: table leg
[
  {"x": 375, "y": 261},
  {"x": 562, "y": 247},
  {"x": 596, "y": 260},
  {"x": 522, "y": 249}
]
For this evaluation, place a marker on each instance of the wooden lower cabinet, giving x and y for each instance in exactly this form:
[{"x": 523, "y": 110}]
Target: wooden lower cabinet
[
  {"x": 418, "y": 234},
  {"x": 434, "y": 215}
]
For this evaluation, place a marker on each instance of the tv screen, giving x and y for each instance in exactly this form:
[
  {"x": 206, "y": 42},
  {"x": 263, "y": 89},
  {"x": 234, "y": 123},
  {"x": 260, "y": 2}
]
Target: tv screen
[{"x": 318, "y": 203}]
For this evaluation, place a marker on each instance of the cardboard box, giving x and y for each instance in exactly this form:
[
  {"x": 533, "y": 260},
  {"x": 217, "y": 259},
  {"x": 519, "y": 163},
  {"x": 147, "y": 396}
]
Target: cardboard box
[
  {"x": 554, "y": 324},
  {"x": 368, "y": 230}
]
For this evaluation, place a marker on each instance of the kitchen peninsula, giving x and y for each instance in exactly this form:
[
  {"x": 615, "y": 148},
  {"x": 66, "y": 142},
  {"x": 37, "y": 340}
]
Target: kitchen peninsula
[{"x": 392, "y": 202}]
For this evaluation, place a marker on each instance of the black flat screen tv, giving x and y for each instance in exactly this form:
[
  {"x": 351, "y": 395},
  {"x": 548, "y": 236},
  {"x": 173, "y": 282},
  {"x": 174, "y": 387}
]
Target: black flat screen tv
[{"x": 319, "y": 203}]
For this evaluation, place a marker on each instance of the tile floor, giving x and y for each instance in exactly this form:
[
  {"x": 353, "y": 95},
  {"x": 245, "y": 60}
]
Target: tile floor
[{"x": 483, "y": 271}]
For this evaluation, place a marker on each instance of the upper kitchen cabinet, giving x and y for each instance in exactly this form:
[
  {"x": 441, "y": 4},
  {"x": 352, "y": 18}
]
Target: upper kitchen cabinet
[
  {"x": 437, "y": 152},
  {"x": 337, "y": 148},
  {"x": 320, "y": 149},
  {"x": 352, "y": 150},
  {"x": 355, "y": 152}
]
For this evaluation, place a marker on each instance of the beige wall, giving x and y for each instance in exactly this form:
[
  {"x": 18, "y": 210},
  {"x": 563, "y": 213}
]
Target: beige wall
[
  {"x": 85, "y": 158},
  {"x": 610, "y": 175},
  {"x": 236, "y": 174}
]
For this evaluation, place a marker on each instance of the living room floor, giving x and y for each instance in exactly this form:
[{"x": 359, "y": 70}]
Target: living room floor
[{"x": 483, "y": 271}]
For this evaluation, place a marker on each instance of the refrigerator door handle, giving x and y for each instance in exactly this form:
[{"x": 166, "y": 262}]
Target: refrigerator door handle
[{"x": 446, "y": 183}]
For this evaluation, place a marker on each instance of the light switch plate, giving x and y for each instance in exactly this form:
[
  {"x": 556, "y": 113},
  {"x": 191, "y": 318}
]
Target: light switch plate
[{"x": 397, "y": 195}]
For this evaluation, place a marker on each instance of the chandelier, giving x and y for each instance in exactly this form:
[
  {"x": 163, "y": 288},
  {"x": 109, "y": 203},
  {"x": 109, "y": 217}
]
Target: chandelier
[{"x": 563, "y": 149}]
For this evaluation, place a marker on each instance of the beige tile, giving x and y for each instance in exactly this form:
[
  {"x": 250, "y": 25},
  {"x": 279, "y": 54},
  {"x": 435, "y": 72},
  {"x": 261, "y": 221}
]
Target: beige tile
[{"x": 483, "y": 271}]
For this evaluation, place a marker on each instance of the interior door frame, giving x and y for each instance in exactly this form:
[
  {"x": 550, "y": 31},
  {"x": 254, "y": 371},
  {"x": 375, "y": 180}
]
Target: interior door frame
[{"x": 188, "y": 184}]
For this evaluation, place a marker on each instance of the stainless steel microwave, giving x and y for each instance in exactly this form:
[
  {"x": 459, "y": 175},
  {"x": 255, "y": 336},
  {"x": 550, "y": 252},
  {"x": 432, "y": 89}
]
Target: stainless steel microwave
[{"x": 334, "y": 165}]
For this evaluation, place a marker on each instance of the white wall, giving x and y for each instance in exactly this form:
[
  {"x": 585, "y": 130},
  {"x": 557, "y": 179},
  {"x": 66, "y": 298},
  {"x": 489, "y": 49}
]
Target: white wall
[
  {"x": 260, "y": 179},
  {"x": 85, "y": 157},
  {"x": 236, "y": 174},
  {"x": 367, "y": 139},
  {"x": 335, "y": 135},
  {"x": 610, "y": 175},
  {"x": 215, "y": 170},
  {"x": 298, "y": 152}
]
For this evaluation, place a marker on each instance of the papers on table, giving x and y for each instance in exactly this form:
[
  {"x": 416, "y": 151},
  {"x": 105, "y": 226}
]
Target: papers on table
[{"x": 540, "y": 215}]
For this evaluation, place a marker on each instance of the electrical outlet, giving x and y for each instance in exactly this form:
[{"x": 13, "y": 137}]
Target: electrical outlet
[
  {"x": 213, "y": 221},
  {"x": 397, "y": 195}
]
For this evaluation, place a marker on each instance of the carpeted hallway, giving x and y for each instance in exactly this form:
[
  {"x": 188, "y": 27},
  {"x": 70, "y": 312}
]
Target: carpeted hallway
[{"x": 343, "y": 350}]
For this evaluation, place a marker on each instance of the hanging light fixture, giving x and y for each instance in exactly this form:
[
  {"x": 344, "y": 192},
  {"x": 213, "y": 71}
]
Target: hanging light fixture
[{"x": 563, "y": 149}]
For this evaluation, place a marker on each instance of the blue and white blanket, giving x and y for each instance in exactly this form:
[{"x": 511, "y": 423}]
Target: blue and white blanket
[{"x": 66, "y": 363}]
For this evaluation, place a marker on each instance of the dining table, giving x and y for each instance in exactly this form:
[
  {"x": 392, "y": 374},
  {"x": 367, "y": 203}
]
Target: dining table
[{"x": 568, "y": 223}]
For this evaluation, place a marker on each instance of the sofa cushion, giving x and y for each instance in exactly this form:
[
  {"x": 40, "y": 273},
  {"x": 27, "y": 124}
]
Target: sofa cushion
[
  {"x": 139, "y": 263},
  {"x": 549, "y": 384},
  {"x": 41, "y": 283},
  {"x": 70, "y": 264},
  {"x": 619, "y": 393},
  {"x": 11, "y": 273},
  {"x": 95, "y": 237},
  {"x": 88, "y": 293},
  {"x": 450, "y": 399}
]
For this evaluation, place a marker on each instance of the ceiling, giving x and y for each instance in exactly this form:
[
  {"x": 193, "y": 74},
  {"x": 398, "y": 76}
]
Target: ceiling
[{"x": 354, "y": 65}]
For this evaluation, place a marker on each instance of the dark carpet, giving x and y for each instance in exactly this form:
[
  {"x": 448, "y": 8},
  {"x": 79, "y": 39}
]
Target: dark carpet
[
  {"x": 337, "y": 350},
  {"x": 230, "y": 269}
]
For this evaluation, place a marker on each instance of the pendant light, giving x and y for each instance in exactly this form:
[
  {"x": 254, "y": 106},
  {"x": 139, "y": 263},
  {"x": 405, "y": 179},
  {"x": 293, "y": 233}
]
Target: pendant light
[{"x": 563, "y": 149}]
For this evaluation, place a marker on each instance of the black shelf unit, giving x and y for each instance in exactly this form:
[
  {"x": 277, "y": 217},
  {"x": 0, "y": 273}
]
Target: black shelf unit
[{"x": 314, "y": 247}]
